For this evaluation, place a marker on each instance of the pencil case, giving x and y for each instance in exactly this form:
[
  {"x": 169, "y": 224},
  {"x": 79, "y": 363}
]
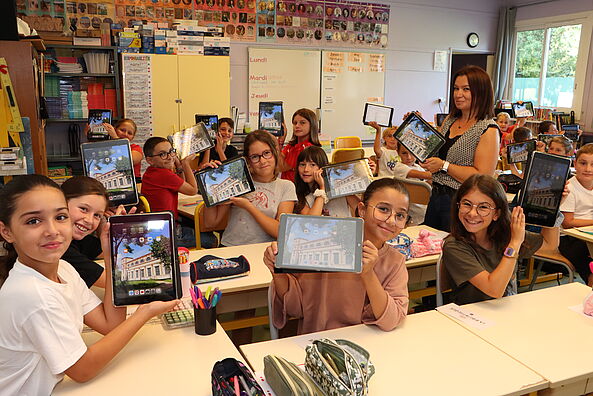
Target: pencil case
[
  {"x": 225, "y": 371},
  {"x": 211, "y": 268},
  {"x": 340, "y": 367},
  {"x": 286, "y": 379}
]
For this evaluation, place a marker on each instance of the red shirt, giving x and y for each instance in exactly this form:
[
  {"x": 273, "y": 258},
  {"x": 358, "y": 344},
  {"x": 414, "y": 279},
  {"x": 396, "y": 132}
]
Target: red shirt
[
  {"x": 137, "y": 148},
  {"x": 291, "y": 153},
  {"x": 160, "y": 186}
]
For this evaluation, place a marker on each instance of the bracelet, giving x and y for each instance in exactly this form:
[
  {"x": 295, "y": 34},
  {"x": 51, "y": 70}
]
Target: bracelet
[{"x": 321, "y": 193}]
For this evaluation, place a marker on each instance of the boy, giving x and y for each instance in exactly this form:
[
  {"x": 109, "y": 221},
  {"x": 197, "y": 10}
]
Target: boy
[
  {"x": 387, "y": 155},
  {"x": 161, "y": 183},
  {"x": 578, "y": 212},
  {"x": 522, "y": 134}
]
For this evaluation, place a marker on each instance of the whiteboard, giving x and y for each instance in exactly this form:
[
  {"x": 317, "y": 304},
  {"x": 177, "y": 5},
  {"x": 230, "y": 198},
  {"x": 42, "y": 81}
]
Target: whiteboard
[
  {"x": 349, "y": 80},
  {"x": 290, "y": 76}
]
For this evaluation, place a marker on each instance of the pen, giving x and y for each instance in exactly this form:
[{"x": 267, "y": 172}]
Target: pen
[
  {"x": 208, "y": 292},
  {"x": 245, "y": 386},
  {"x": 237, "y": 391},
  {"x": 214, "y": 300}
]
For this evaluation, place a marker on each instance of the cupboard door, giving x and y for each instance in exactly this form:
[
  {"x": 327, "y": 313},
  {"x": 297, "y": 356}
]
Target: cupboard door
[
  {"x": 165, "y": 92},
  {"x": 204, "y": 86}
]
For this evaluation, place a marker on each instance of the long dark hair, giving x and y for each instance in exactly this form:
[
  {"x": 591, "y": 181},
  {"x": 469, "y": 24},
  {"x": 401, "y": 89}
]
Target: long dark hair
[
  {"x": 310, "y": 116},
  {"x": 499, "y": 231},
  {"x": 79, "y": 186},
  {"x": 482, "y": 93},
  {"x": 313, "y": 154},
  {"x": 9, "y": 196},
  {"x": 264, "y": 137}
]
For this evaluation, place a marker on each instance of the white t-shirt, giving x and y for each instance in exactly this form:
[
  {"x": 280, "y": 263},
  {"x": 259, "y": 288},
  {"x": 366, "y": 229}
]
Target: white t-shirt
[
  {"x": 387, "y": 162},
  {"x": 337, "y": 207},
  {"x": 417, "y": 211},
  {"x": 578, "y": 201},
  {"x": 242, "y": 229},
  {"x": 40, "y": 326}
]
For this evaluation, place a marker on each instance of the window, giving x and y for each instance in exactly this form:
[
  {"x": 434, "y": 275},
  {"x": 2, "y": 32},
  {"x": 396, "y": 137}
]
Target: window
[{"x": 550, "y": 60}]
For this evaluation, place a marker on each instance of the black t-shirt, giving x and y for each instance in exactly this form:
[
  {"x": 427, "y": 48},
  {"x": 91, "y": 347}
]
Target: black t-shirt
[
  {"x": 229, "y": 151},
  {"x": 80, "y": 255}
]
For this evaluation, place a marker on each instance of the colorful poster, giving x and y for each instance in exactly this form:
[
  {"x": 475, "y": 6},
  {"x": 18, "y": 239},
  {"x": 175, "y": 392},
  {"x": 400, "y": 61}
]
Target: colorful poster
[
  {"x": 88, "y": 15},
  {"x": 266, "y": 20},
  {"x": 299, "y": 22},
  {"x": 42, "y": 15},
  {"x": 348, "y": 23},
  {"x": 237, "y": 18}
]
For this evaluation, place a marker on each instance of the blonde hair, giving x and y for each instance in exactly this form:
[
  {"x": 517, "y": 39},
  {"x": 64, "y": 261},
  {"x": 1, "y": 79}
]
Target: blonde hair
[
  {"x": 389, "y": 131},
  {"x": 586, "y": 149},
  {"x": 503, "y": 114},
  {"x": 563, "y": 141}
]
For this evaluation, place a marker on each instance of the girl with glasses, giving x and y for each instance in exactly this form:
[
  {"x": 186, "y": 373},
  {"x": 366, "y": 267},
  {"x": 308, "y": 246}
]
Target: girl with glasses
[
  {"x": 378, "y": 295},
  {"x": 253, "y": 218},
  {"x": 486, "y": 242}
]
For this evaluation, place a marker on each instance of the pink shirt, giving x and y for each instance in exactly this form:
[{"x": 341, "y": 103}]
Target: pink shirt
[{"x": 332, "y": 300}]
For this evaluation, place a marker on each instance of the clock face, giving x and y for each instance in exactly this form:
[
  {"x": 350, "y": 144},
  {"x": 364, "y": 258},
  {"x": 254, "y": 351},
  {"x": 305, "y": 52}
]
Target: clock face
[{"x": 473, "y": 40}]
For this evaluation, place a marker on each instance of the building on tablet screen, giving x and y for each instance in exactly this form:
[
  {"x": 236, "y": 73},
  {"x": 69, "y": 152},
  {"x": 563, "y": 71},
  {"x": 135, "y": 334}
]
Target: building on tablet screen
[
  {"x": 349, "y": 184},
  {"x": 229, "y": 187},
  {"x": 315, "y": 252},
  {"x": 114, "y": 179},
  {"x": 145, "y": 267}
]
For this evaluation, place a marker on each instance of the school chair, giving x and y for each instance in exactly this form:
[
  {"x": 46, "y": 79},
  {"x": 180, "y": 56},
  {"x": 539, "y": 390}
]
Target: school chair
[
  {"x": 347, "y": 154},
  {"x": 201, "y": 226},
  {"x": 443, "y": 281},
  {"x": 419, "y": 190},
  {"x": 553, "y": 258},
  {"x": 145, "y": 206},
  {"x": 347, "y": 142},
  {"x": 273, "y": 329}
]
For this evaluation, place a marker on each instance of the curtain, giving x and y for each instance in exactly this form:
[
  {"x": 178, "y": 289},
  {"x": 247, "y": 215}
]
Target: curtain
[{"x": 504, "y": 48}]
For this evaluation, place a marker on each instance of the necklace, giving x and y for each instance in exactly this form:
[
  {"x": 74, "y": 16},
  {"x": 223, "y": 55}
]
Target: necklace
[{"x": 459, "y": 126}]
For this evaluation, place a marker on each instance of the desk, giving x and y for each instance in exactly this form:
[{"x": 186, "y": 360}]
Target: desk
[
  {"x": 584, "y": 236},
  {"x": 423, "y": 356},
  {"x": 525, "y": 323},
  {"x": 157, "y": 362},
  {"x": 186, "y": 205}
]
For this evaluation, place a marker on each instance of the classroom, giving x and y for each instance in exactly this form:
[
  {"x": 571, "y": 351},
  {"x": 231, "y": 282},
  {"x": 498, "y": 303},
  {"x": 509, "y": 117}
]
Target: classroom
[{"x": 296, "y": 197}]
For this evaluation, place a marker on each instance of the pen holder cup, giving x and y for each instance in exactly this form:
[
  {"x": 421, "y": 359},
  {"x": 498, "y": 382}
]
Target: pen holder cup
[{"x": 205, "y": 321}]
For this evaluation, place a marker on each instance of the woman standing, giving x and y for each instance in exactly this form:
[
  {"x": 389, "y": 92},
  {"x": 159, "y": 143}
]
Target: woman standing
[{"x": 471, "y": 147}]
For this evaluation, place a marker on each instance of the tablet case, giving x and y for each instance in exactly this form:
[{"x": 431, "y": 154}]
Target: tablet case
[{"x": 366, "y": 108}]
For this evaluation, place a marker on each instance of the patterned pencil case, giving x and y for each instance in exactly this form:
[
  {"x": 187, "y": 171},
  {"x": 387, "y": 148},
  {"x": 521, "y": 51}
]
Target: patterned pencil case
[
  {"x": 286, "y": 379},
  {"x": 226, "y": 371},
  {"x": 211, "y": 268}
]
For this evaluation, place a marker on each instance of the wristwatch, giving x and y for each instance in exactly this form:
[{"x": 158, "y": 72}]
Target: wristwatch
[
  {"x": 510, "y": 252},
  {"x": 445, "y": 167}
]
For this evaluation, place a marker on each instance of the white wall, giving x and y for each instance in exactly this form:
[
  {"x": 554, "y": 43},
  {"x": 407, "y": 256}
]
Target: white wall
[{"x": 417, "y": 29}]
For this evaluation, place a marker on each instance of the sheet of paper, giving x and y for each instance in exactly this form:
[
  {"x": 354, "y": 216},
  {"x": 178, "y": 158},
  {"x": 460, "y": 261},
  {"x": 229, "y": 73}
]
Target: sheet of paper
[
  {"x": 465, "y": 316},
  {"x": 579, "y": 309}
]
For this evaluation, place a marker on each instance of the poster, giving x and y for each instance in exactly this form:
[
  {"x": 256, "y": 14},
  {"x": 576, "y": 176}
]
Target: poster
[
  {"x": 266, "y": 20},
  {"x": 237, "y": 18},
  {"x": 299, "y": 22},
  {"x": 349, "y": 23},
  {"x": 43, "y": 15},
  {"x": 137, "y": 83}
]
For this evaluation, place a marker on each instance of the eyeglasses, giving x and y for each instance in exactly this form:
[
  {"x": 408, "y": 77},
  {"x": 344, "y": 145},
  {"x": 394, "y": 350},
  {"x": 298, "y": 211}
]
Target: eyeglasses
[
  {"x": 483, "y": 208},
  {"x": 165, "y": 154},
  {"x": 384, "y": 213},
  {"x": 255, "y": 158}
]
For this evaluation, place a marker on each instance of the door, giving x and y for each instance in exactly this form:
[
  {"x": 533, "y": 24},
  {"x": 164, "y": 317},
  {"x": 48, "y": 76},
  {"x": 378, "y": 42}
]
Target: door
[
  {"x": 165, "y": 92},
  {"x": 460, "y": 60}
]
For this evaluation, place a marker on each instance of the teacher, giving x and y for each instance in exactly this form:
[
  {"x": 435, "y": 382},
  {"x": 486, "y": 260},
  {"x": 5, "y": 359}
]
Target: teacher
[{"x": 471, "y": 143}]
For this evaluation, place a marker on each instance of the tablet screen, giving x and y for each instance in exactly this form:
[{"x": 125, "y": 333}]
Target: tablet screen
[
  {"x": 191, "y": 140},
  {"x": 320, "y": 243},
  {"x": 144, "y": 258},
  {"x": 380, "y": 114},
  {"x": 96, "y": 119},
  {"x": 210, "y": 121},
  {"x": 110, "y": 162},
  {"x": 271, "y": 117},
  {"x": 419, "y": 137},
  {"x": 544, "y": 183},
  {"x": 523, "y": 109},
  {"x": 347, "y": 178},
  {"x": 519, "y": 152},
  {"x": 231, "y": 179}
]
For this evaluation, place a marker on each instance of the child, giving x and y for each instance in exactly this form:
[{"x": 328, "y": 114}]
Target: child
[
  {"x": 522, "y": 134},
  {"x": 547, "y": 128},
  {"x": 486, "y": 241},
  {"x": 254, "y": 217},
  {"x": 223, "y": 149},
  {"x": 378, "y": 295},
  {"x": 43, "y": 301},
  {"x": 578, "y": 212},
  {"x": 560, "y": 145},
  {"x": 305, "y": 133},
  {"x": 386, "y": 155},
  {"x": 87, "y": 203},
  {"x": 503, "y": 120},
  {"x": 310, "y": 187}
]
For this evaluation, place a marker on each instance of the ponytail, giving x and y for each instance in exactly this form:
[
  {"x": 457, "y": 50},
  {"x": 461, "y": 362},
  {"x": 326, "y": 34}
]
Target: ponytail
[{"x": 7, "y": 261}]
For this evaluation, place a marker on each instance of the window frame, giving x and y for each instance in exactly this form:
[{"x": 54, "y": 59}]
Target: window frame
[{"x": 585, "y": 19}]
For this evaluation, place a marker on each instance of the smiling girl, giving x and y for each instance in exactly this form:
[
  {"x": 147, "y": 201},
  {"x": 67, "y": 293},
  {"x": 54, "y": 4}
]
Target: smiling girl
[
  {"x": 305, "y": 133},
  {"x": 378, "y": 295},
  {"x": 44, "y": 302},
  {"x": 487, "y": 240}
]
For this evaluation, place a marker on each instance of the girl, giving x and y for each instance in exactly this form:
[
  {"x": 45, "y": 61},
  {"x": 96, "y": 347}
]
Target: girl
[
  {"x": 310, "y": 187},
  {"x": 305, "y": 133},
  {"x": 223, "y": 150},
  {"x": 560, "y": 145},
  {"x": 254, "y": 217},
  {"x": 87, "y": 203},
  {"x": 547, "y": 128},
  {"x": 378, "y": 295},
  {"x": 487, "y": 240},
  {"x": 503, "y": 120},
  {"x": 40, "y": 324},
  {"x": 387, "y": 155}
]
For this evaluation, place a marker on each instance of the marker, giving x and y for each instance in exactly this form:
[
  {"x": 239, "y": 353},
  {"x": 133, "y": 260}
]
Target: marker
[
  {"x": 208, "y": 292},
  {"x": 244, "y": 384},
  {"x": 237, "y": 391}
]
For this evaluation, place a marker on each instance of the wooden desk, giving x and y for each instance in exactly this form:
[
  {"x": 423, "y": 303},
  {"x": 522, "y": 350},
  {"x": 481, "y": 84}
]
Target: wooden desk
[
  {"x": 423, "y": 356},
  {"x": 157, "y": 362},
  {"x": 584, "y": 236},
  {"x": 539, "y": 330},
  {"x": 186, "y": 205}
]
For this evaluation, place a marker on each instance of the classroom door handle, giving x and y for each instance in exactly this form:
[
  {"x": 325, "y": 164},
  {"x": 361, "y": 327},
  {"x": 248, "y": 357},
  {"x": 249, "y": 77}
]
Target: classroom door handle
[{"x": 178, "y": 101}]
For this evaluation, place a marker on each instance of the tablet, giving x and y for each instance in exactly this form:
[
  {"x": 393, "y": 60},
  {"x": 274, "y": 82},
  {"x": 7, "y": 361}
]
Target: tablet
[
  {"x": 231, "y": 179},
  {"x": 439, "y": 118},
  {"x": 544, "y": 182},
  {"x": 381, "y": 114},
  {"x": 96, "y": 119},
  {"x": 271, "y": 116},
  {"x": 347, "y": 178},
  {"x": 319, "y": 243},
  {"x": 571, "y": 131},
  {"x": 546, "y": 138},
  {"x": 191, "y": 140},
  {"x": 419, "y": 137},
  {"x": 523, "y": 109},
  {"x": 210, "y": 121},
  {"x": 110, "y": 162},
  {"x": 519, "y": 152},
  {"x": 144, "y": 258}
]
